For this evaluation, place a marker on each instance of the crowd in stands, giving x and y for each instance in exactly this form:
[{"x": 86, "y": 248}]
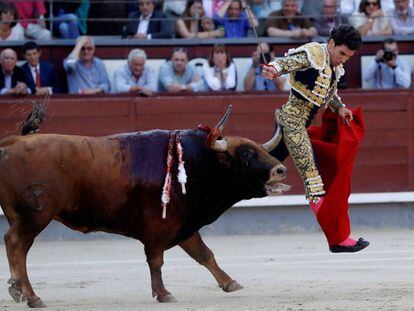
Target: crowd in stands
[
  {"x": 151, "y": 19},
  {"x": 154, "y": 19}
]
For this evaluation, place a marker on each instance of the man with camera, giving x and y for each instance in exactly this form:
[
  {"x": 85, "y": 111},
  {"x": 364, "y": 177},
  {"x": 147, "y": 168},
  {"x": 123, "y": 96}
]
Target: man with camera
[
  {"x": 254, "y": 80},
  {"x": 387, "y": 70}
]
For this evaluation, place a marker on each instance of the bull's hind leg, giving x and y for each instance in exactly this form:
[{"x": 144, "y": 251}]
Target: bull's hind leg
[
  {"x": 155, "y": 259},
  {"x": 18, "y": 241},
  {"x": 197, "y": 249}
]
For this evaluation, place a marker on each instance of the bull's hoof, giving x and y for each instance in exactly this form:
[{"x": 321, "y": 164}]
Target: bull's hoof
[
  {"x": 232, "y": 287},
  {"x": 14, "y": 291},
  {"x": 166, "y": 298},
  {"x": 37, "y": 303}
]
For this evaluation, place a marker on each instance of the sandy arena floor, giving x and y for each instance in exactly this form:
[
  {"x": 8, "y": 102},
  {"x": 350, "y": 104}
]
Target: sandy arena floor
[{"x": 281, "y": 272}]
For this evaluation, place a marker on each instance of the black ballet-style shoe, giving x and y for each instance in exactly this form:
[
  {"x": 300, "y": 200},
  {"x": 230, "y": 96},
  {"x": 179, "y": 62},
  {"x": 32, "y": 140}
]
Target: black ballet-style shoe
[{"x": 360, "y": 245}]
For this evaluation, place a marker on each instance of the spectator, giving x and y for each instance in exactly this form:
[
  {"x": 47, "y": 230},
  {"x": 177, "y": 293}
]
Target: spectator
[
  {"x": 254, "y": 80},
  {"x": 207, "y": 24},
  {"x": 235, "y": 22},
  {"x": 82, "y": 13},
  {"x": 220, "y": 73},
  {"x": 370, "y": 19},
  {"x": 348, "y": 7},
  {"x": 10, "y": 30},
  {"x": 65, "y": 20},
  {"x": 41, "y": 76},
  {"x": 136, "y": 76},
  {"x": 402, "y": 18},
  {"x": 174, "y": 7},
  {"x": 177, "y": 75},
  {"x": 32, "y": 16},
  {"x": 86, "y": 74},
  {"x": 262, "y": 8},
  {"x": 147, "y": 23},
  {"x": 329, "y": 18},
  {"x": 311, "y": 8},
  {"x": 190, "y": 25},
  {"x": 388, "y": 70},
  {"x": 211, "y": 7},
  {"x": 289, "y": 23},
  {"x": 12, "y": 79}
]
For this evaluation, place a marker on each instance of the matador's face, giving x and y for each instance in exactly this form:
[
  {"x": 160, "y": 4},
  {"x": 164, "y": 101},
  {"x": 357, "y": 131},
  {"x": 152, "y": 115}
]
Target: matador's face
[{"x": 339, "y": 54}]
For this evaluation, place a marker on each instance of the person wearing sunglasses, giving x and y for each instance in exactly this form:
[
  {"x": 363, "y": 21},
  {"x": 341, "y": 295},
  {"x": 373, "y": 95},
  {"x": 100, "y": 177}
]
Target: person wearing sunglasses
[
  {"x": 370, "y": 19},
  {"x": 86, "y": 73}
]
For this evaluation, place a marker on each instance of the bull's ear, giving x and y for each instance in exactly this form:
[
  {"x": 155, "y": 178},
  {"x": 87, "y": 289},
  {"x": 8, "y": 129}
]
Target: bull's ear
[{"x": 220, "y": 145}]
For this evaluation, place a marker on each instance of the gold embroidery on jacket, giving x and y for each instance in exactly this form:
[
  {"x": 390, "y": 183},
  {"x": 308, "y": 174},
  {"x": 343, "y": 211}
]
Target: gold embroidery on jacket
[
  {"x": 322, "y": 87},
  {"x": 292, "y": 117},
  {"x": 315, "y": 53},
  {"x": 293, "y": 63}
]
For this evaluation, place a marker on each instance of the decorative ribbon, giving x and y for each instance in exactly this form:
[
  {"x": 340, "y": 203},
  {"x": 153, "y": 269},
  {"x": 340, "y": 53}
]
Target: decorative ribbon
[{"x": 182, "y": 176}]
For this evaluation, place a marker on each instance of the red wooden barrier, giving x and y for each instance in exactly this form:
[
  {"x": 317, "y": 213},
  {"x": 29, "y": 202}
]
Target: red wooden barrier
[{"x": 385, "y": 161}]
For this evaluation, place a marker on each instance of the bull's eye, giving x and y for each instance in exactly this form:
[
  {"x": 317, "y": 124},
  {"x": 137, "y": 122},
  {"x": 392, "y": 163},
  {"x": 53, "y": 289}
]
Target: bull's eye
[{"x": 246, "y": 156}]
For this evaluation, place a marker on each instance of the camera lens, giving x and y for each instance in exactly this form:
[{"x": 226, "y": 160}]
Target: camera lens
[{"x": 388, "y": 55}]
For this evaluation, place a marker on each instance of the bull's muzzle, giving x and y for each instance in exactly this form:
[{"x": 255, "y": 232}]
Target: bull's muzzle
[
  {"x": 273, "y": 186},
  {"x": 278, "y": 172}
]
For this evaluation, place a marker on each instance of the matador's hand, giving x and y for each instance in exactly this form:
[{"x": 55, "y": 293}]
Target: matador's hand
[
  {"x": 345, "y": 114},
  {"x": 269, "y": 72}
]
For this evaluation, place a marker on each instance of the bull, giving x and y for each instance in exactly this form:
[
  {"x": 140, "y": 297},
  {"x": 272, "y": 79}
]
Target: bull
[{"x": 115, "y": 184}]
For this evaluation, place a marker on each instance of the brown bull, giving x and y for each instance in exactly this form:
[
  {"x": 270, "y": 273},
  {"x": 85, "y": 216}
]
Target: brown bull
[{"x": 115, "y": 183}]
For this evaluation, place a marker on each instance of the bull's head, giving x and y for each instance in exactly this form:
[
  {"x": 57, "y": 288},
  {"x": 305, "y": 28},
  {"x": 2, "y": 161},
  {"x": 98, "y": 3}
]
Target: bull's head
[{"x": 251, "y": 160}]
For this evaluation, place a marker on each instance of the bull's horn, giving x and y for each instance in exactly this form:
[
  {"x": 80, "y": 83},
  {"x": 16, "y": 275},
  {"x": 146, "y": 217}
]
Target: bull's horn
[
  {"x": 216, "y": 132},
  {"x": 274, "y": 141},
  {"x": 224, "y": 119}
]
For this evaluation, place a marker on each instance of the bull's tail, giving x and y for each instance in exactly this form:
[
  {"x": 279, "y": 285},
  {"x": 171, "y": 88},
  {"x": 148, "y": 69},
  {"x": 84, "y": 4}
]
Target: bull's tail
[
  {"x": 33, "y": 120},
  {"x": 36, "y": 117}
]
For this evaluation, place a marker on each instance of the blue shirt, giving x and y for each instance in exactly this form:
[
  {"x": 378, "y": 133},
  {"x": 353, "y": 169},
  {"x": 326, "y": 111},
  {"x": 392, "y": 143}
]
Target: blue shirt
[
  {"x": 234, "y": 28},
  {"x": 82, "y": 77},
  {"x": 124, "y": 79},
  {"x": 167, "y": 77},
  {"x": 261, "y": 83},
  {"x": 385, "y": 77}
]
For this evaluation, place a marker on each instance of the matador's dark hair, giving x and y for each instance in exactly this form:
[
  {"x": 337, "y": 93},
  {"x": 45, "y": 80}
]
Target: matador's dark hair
[{"x": 347, "y": 35}]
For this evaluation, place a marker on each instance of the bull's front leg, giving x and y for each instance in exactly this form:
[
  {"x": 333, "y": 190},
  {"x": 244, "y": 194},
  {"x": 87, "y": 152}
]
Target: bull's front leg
[
  {"x": 197, "y": 249},
  {"x": 155, "y": 259}
]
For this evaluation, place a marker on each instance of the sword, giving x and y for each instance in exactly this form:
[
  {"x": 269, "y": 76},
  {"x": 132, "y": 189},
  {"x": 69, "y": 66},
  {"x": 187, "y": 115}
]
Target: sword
[{"x": 248, "y": 12}]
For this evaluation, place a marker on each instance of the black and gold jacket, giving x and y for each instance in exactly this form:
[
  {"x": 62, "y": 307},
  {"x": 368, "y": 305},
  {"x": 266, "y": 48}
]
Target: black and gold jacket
[{"x": 311, "y": 75}]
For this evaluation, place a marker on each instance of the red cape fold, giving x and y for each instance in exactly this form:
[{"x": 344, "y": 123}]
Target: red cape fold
[{"x": 335, "y": 145}]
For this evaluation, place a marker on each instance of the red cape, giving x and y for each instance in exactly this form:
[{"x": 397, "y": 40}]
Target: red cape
[{"x": 335, "y": 145}]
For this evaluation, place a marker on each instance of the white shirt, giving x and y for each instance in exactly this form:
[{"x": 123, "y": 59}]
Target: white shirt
[
  {"x": 7, "y": 83},
  {"x": 214, "y": 83},
  {"x": 379, "y": 23},
  {"x": 17, "y": 33},
  {"x": 143, "y": 25}
]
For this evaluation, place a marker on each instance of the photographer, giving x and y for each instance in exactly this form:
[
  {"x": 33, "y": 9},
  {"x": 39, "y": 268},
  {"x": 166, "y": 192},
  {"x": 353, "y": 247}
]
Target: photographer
[
  {"x": 388, "y": 70},
  {"x": 254, "y": 80}
]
